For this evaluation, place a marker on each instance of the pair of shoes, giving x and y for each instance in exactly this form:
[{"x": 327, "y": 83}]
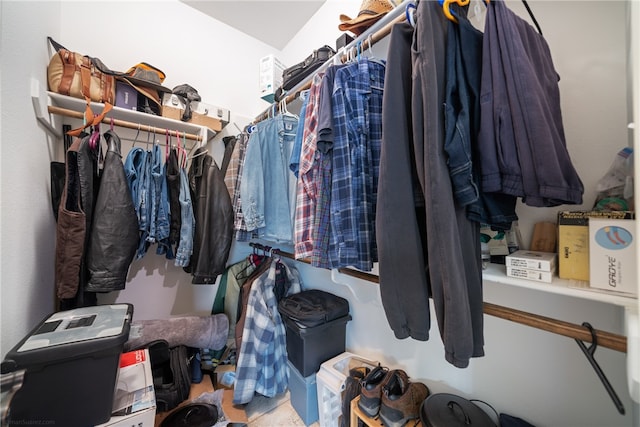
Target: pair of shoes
[
  {"x": 392, "y": 395},
  {"x": 401, "y": 399},
  {"x": 371, "y": 390}
]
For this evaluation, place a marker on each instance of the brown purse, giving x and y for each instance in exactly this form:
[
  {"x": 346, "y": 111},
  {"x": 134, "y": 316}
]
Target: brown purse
[{"x": 79, "y": 76}]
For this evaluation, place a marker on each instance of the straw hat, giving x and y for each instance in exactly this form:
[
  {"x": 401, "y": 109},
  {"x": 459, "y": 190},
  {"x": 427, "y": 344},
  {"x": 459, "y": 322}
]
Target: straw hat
[{"x": 370, "y": 12}]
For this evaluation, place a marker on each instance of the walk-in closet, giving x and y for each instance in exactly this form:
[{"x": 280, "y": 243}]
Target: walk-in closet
[{"x": 536, "y": 341}]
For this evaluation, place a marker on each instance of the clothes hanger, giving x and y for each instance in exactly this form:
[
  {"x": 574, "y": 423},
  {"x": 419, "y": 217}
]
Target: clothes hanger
[
  {"x": 409, "y": 12},
  {"x": 447, "y": 11},
  {"x": 136, "y": 137}
]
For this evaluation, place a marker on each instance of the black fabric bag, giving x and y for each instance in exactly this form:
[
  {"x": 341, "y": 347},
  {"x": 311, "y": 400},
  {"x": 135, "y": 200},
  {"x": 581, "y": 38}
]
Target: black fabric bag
[
  {"x": 298, "y": 72},
  {"x": 313, "y": 307},
  {"x": 171, "y": 374}
]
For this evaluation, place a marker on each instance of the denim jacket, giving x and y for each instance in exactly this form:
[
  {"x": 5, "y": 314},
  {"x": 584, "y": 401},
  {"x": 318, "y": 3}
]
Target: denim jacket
[
  {"x": 188, "y": 223},
  {"x": 137, "y": 171}
]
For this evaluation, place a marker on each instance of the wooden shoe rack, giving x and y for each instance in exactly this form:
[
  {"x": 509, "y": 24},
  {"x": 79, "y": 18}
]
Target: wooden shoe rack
[{"x": 358, "y": 415}]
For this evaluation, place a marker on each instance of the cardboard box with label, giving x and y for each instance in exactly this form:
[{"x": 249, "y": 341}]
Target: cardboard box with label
[
  {"x": 134, "y": 403},
  {"x": 270, "y": 77},
  {"x": 573, "y": 241},
  {"x": 202, "y": 114},
  {"x": 612, "y": 255}
]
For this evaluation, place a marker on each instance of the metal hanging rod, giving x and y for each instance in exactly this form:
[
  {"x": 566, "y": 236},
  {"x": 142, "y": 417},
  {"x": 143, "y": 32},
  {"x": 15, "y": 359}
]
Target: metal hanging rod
[
  {"x": 571, "y": 330},
  {"x": 125, "y": 124},
  {"x": 365, "y": 40}
]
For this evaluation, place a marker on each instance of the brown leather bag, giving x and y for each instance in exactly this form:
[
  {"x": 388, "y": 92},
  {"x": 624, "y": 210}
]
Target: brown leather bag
[{"x": 79, "y": 76}]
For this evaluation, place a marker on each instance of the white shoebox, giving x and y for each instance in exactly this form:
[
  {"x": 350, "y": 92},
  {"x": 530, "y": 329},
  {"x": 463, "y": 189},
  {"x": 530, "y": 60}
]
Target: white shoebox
[
  {"x": 134, "y": 403},
  {"x": 612, "y": 255},
  {"x": 202, "y": 114},
  {"x": 532, "y": 260},
  {"x": 528, "y": 274}
]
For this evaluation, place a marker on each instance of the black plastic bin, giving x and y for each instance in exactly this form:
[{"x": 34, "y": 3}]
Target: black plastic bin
[
  {"x": 71, "y": 366},
  {"x": 308, "y": 348}
]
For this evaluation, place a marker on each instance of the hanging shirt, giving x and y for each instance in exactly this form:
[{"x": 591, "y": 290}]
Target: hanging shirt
[
  {"x": 322, "y": 224},
  {"x": 268, "y": 186},
  {"x": 294, "y": 162},
  {"x": 262, "y": 362},
  {"x": 306, "y": 187},
  {"x": 357, "y": 121}
]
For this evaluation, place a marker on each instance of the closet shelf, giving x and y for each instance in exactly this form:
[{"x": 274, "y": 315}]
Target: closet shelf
[
  {"x": 72, "y": 107},
  {"x": 495, "y": 273}
]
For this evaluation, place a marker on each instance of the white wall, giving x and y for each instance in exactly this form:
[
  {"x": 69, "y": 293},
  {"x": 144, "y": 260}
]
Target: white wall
[
  {"x": 27, "y": 228},
  {"x": 537, "y": 375}
]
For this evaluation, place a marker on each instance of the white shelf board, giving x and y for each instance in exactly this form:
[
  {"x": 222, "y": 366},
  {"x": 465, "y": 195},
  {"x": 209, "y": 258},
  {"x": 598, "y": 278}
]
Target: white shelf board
[
  {"x": 77, "y": 104},
  {"x": 496, "y": 273}
]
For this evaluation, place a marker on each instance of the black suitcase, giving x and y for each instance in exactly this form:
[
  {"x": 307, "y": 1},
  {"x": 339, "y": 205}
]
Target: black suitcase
[
  {"x": 313, "y": 307},
  {"x": 298, "y": 72}
]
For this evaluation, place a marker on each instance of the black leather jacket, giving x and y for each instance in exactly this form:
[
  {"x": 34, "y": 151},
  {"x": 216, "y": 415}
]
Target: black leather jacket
[
  {"x": 213, "y": 213},
  {"x": 114, "y": 232}
]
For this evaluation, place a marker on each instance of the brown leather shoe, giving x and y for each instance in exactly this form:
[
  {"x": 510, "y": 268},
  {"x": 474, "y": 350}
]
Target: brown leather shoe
[
  {"x": 371, "y": 390},
  {"x": 401, "y": 399}
]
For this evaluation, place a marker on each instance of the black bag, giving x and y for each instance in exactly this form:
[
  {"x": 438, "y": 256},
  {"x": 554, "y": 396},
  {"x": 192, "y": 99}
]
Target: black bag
[
  {"x": 296, "y": 73},
  {"x": 171, "y": 374},
  {"x": 313, "y": 307}
]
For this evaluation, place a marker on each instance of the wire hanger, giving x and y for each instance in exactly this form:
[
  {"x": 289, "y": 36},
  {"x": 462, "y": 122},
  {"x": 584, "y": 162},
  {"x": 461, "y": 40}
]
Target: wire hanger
[
  {"x": 588, "y": 352},
  {"x": 136, "y": 137}
]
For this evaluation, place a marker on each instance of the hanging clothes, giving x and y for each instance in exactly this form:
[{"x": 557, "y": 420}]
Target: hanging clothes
[
  {"x": 449, "y": 270},
  {"x": 114, "y": 232},
  {"x": 86, "y": 176},
  {"x": 462, "y": 126},
  {"x": 187, "y": 223},
  {"x": 172, "y": 172},
  {"x": 262, "y": 360},
  {"x": 159, "y": 224},
  {"x": 306, "y": 191},
  {"x": 213, "y": 219},
  {"x": 357, "y": 126},
  {"x": 138, "y": 172},
  {"x": 232, "y": 179},
  {"x": 522, "y": 142},
  {"x": 322, "y": 224},
  {"x": 268, "y": 186}
]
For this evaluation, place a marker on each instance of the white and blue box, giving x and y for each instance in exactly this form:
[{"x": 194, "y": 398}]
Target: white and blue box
[{"x": 612, "y": 255}]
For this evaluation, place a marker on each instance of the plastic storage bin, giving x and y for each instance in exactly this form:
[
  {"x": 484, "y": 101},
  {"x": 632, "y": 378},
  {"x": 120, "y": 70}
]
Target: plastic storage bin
[
  {"x": 307, "y": 348},
  {"x": 304, "y": 395},
  {"x": 71, "y": 364},
  {"x": 330, "y": 381}
]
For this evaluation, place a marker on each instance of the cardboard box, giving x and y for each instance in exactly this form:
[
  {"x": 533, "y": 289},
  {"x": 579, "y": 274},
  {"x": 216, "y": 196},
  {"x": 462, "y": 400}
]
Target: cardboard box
[
  {"x": 134, "y": 402},
  {"x": 612, "y": 255},
  {"x": 525, "y": 273},
  {"x": 532, "y": 260},
  {"x": 202, "y": 114},
  {"x": 270, "y": 77},
  {"x": 126, "y": 96},
  {"x": 573, "y": 241}
]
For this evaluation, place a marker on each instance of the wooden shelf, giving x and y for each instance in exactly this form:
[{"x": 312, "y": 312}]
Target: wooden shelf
[{"x": 495, "y": 273}]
